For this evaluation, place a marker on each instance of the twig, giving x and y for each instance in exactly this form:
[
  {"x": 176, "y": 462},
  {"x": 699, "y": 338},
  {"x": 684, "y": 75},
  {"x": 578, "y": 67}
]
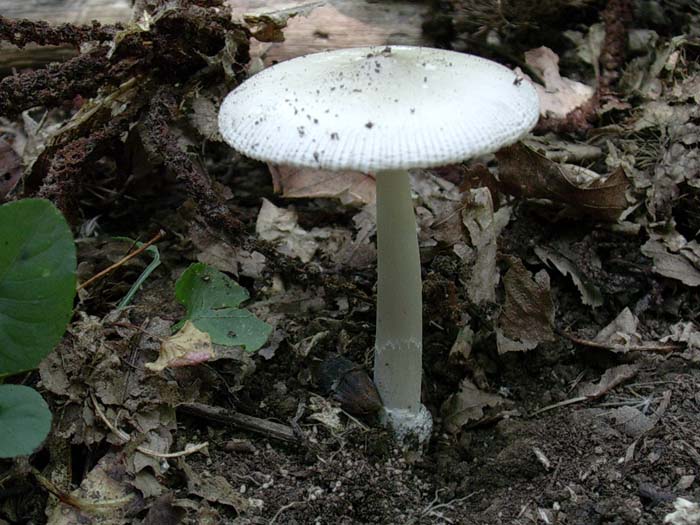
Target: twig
[
  {"x": 283, "y": 508},
  {"x": 434, "y": 507},
  {"x": 254, "y": 424},
  {"x": 664, "y": 349},
  {"x": 123, "y": 260},
  {"x": 564, "y": 403}
]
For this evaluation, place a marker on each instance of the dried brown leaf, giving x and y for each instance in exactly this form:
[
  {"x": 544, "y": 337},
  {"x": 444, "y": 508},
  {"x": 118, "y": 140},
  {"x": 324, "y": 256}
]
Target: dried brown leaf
[
  {"x": 560, "y": 96},
  {"x": 609, "y": 380},
  {"x": 462, "y": 347},
  {"x": 268, "y": 26},
  {"x": 189, "y": 347},
  {"x": 528, "y": 314},
  {"x": 163, "y": 512},
  {"x": 215, "y": 489},
  {"x": 621, "y": 333},
  {"x": 468, "y": 405},
  {"x": 350, "y": 187},
  {"x": 525, "y": 173},
  {"x": 684, "y": 332},
  {"x": 478, "y": 218},
  {"x": 105, "y": 497},
  {"x": 280, "y": 226},
  {"x": 676, "y": 263},
  {"x": 590, "y": 294}
]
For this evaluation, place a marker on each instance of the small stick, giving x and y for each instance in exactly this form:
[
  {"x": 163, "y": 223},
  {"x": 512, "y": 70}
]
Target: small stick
[
  {"x": 122, "y": 261},
  {"x": 254, "y": 424},
  {"x": 282, "y": 509},
  {"x": 664, "y": 349}
]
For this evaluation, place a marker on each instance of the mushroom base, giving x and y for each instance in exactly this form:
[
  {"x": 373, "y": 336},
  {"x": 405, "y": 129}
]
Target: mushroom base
[{"x": 409, "y": 427}]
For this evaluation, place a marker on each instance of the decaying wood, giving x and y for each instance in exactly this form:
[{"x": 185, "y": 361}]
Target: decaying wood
[
  {"x": 334, "y": 25},
  {"x": 32, "y": 56},
  {"x": 72, "y": 11},
  {"x": 339, "y": 24},
  {"x": 77, "y": 12},
  {"x": 253, "y": 424}
]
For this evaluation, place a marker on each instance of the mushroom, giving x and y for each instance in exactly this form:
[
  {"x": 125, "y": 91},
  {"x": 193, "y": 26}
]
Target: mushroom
[{"x": 383, "y": 111}]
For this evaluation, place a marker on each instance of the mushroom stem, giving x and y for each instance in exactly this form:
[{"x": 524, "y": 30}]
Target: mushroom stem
[{"x": 399, "y": 336}]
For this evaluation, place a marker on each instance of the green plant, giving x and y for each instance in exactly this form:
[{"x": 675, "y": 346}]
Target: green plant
[
  {"x": 37, "y": 286},
  {"x": 212, "y": 300}
]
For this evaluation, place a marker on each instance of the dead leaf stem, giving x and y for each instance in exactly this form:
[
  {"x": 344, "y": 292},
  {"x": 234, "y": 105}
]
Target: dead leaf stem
[{"x": 123, "y": 260}]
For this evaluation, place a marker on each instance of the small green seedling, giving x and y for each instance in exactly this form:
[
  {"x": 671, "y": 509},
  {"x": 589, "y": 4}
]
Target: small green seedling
[
  {"x": 212, "y": 300},
  {"x": 37, "y": 287}
]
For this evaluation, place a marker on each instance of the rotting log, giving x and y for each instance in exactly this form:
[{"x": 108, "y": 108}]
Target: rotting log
[
  {"x": 337, "y": 24},
  {"x": 78, "y": 12},
  {"x": 68, "y": 11},
  {"x": 341, "y": 23}
]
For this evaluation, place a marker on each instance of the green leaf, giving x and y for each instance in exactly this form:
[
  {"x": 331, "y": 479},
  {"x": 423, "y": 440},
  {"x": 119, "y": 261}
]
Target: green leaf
[
  {"x": 212, "y": 301},
  {"x": 25, "y": 420},
  {"x": 37, "y": 282}
]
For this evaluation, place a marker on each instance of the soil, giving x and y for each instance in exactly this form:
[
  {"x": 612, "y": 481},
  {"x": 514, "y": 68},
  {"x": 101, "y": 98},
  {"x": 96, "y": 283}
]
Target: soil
[{"x": 543, "y": 454}]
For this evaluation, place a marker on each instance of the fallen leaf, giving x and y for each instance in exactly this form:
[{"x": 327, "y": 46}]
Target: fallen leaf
[
  {"x": 105, "y": 497},
  {"x": 163, "y": 512},
  {"x": 326, "y": 413},
  {"x": 681, "y": 265},
  {"x": 189, "y": 347},
  {"x": 267, "y": 26},
  {"x": 280, "y": 226},
  {"x": 213, "y": 249},
  {"x": 438, "y": 210},
  {"x": 204, "y": 117},
  {"x": 525, "y": 173},
  {"x": 215, "y": 489},
  {"x": 678, "y": 159},
  {"x": 688, "y": 333},
  {"x": 213, "y": 305},
  {"x": 341, "y": 24},
  {"x": 560, "y": 95},
  {"x": 590, "y": 294},
  {"x": 685, "y": 512},
  {"x": 147, "y": 484},
  {"x": 630, "y": 420},
  {"x": 350, "y": 187},
  {"x": 589, "y": 46},
  {"x": 609, "y": 380},
  {"x": 462, "y": 347},
  {"x": 360, "y": 251},
  {"x": 621, "y": 333},
  {"x": 528, "y": 313},
  {"x": 478, "y": 218},
  {"x": 467, "y": 406},
  {"x": 684, "y": 332}
]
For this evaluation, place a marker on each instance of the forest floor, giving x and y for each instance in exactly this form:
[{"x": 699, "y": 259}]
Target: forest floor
[{"x": 560, "y": 283}]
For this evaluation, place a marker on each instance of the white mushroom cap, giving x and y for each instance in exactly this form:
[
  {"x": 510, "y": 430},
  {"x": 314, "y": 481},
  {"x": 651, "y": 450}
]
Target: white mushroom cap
[{"x": 373, "y": 109}]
